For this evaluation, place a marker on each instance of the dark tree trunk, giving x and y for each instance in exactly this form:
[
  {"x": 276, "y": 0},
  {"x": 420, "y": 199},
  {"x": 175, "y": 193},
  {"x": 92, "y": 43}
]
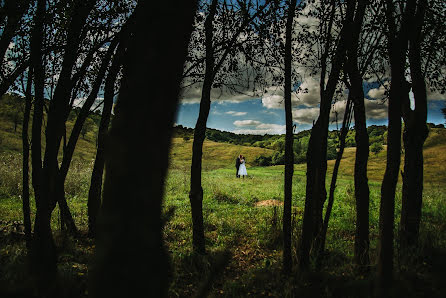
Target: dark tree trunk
[
  {"x": 43, "y": 252},
  {"x": 196, "y": 191},
  {"x": 74, "y": 136},
  {"x": 362, "y": 193},
  {"x": 289, "y": 154},
  {"x": 415, "y": 133},
  {"x": 397, "y": 48},
  {"x": 130, "y": 257},
  {"x": 25, "y": 166},
  {"x": 59, "y": 107},
  {"x": 317, "y": 149},
  {"x": 344, "y": 130},
  {"x": 94, "y": 193}
]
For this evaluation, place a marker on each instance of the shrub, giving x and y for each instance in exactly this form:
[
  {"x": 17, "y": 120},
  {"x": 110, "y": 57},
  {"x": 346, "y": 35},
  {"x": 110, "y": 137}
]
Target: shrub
[
  {"x": 278, "y": 158},
  {"x": 263, "y": 161},
  {"x": 376, "y": 147}
]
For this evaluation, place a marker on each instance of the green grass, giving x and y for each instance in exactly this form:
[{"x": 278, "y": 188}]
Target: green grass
[{"x": 234, "y": 224}]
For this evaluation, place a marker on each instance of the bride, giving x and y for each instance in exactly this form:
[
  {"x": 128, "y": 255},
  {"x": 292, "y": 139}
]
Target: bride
[{"x": 242, "y": 170}]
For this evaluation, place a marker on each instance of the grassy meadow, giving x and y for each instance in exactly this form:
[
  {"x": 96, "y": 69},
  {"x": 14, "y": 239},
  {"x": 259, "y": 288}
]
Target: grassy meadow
[{"x": 242, "y": 220}]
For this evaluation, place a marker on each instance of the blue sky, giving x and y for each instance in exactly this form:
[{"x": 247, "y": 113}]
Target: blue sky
[{"x": 259, "y": 116}]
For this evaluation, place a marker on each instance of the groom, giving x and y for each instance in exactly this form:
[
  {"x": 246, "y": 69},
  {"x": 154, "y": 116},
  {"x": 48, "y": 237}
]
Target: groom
[{"x": 237, "y": 166}]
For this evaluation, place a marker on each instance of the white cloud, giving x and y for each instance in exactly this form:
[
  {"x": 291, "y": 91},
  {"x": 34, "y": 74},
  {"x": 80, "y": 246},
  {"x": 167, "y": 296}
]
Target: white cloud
[
  {"x": 242, "y": 123},
  {"x": 262, "y": 129},
  {"x": 305, "y": 116},
  {"x": 375, "y": 109},
  {"x": 377, "y": 93},
  {"x": 272, "y": 101},
  {"x": 234, "y": 113}
]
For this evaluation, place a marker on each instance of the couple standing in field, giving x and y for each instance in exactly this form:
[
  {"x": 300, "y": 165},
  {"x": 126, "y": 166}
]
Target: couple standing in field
[{"x": 240, "y": 166}]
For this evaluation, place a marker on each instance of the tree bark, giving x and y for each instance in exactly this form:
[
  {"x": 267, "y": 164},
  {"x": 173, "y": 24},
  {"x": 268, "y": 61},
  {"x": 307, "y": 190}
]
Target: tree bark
[
  {"x": 196, "y": 191},
  {"x": 289, "y": 154},
  {"x": 414, "y": 135},
  {"x": 74, "y": 136},
  {"x": 344, "y": 131},
  {"x": 94, "y": 193},
  {"x": 397, "y": 48},
  {"x": 59, "y": 107},
  {"x": 317, "y": 149},
  {"x": 362, "y": 193},
  {"x": 43, "y": 253},
  {"x": 25, "y": 165},
  {"x": 130, "y": 258}
]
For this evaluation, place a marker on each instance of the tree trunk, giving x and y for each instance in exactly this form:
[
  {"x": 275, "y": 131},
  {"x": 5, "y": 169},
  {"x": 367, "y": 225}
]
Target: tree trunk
[
  {"x": 397, "y": 48},
  {"x": 362, "y": 193},
  {"x": 25, "y": 166},
  {"x": 59, "y": 107},
  {"x": 196, "y": 191},
  {"x": 43, "y": 252},
  {"x": 415, "y": 133},
  {"x": 344, "y": 130},
  {"x": 74, "y": 136},
  {"x": 94, "y": 193},
  {"x": 289, "y": 154},
  {"x": 317, "y": 149},
  {"x": 130, "y": 258}
]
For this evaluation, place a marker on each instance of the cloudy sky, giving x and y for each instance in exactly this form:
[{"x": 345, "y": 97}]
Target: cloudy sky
[{"x": 265, "y": 115}]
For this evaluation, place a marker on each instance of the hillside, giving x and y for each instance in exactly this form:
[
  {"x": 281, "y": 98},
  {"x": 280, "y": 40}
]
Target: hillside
[{"x": 221, "y": 148}]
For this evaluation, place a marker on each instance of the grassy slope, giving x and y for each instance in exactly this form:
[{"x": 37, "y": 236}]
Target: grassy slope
[{"x": 233, "y": 223}]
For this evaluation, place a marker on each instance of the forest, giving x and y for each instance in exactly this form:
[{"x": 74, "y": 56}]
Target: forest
[{"x": 102, "y": 194}]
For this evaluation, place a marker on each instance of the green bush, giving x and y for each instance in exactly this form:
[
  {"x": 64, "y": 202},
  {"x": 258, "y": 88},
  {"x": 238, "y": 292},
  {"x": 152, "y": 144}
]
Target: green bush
[
  {"x": 263, "y": 161},
  {"x": 376, "y": 147},
  {"x": 278, "y": 158}
]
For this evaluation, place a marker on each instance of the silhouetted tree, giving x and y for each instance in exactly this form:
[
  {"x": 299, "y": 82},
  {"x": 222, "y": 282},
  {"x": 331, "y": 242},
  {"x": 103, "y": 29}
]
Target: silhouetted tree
[
  {"x": 25, "y": 166},
  {"x": 414, "y": 134},
  {"x": 317, "y": 146},
  {"x": 289, "y": 154},
  {"x": 130, "y": 256},
  {"x": 94, "y": 194},
  {"x": 344, "y": 130},
  {"x": 361, "y": 251},
  {"x": 397, "y": 37},
  {"x": 215, "y": 58},
  {"x": 43, "y": 252}
]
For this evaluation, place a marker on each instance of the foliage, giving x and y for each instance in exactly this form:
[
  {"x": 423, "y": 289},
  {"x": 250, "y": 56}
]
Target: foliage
[{"x": 376, "y": 147}]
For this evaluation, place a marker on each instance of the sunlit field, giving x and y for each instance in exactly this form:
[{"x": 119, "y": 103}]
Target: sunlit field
[{"x": 242, "y": 219}]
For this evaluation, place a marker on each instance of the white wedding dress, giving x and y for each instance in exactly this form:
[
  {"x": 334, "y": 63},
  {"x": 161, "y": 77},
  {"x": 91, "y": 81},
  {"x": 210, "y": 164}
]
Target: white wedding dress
[{"x": 242, "y": 169}]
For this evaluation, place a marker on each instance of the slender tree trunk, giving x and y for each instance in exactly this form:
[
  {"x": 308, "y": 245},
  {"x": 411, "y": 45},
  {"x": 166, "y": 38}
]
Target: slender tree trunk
[
  {"x": 317, "y": 149},
  {"x": 25, "y": 166},
  {"x": 397, "y": 47},
  {"x": 58, "y": 108},
  {"x": 289, "y": 154},
  {"x": 415, "y": 133},
  {"x": 196, "y": 191},
  {"x": 74, "y": 136},
  {"x": 344, "y": 132},
  {"x": 362, "y": 193},
  {"x": 43, "y": 253},
  {"x": 94, "y": 193},
  {"x": 130, "y": 258}
]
